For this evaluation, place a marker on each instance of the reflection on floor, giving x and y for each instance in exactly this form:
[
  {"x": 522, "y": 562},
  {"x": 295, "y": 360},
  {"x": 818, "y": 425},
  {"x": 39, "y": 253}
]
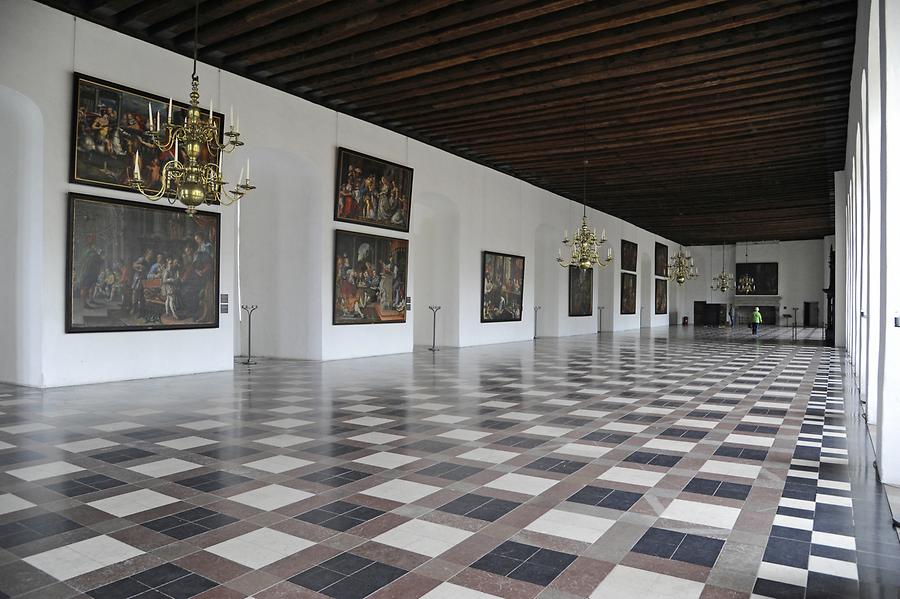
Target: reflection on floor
[{"x": 681, "y": 465}]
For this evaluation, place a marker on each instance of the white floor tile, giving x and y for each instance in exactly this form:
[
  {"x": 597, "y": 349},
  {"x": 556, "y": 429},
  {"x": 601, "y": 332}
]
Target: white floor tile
[
  {"x": 387, "y": 459},
  {"x": 446, "y": 419},
  {"x": 448, "y": 590},
  {"x": 278, "y": 464},
  {"x": 632, "y": 476},
  {"x": 670, "y": 445},
  {"x": 260, "y": 548},
  {"x": 203, "y": 425},
  {"x": 583, "y": 450},
  {"x": 426, "y": 538},
  {"x": 131, "y": 503},
  {"x": 187, "y": 443},
  {"x": 403, "y": 491},
  {"x": 283, "y": 440},
  {"x": 462, "y": 434},
  {"x": 376, "y": 438},
  {"x": 369, "y": 421},
  {"x": 547, "y": 431},
  {"x": 42, "y": 471},
  {"x": 493, "y": 456},
  {"x": 624, "y": 427},
  {"x": 696, "y": 512},
  {"x": 520, "y": 416},
  {"x": 271, "y": 497},
  {"x": 287, "y": 423},
  {"x": 569, "y": 525},
  {"x": 86, "y": 445},
  {"x": 522, "y": 483},
  {"x": 121, "y": 425},
  {"x": 12, "y": 503},
  {"x": 82, "y": 557},
  {"x": 624, "y": 582},
  {"x": 730, "y": 469},
  {"x": 165, "y": 467},
  {"x": 30, "y": 427},
  {"x": 750, "y": 440},
  {"x": 780, "y": 573}
]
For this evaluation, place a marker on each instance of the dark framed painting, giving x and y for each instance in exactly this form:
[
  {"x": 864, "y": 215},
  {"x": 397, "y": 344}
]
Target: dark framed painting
[
  {"x": 502, "y": 287},
  {"x": 628, "y": 294},
  {"x": 581, "y": 291},
  {"x": 661, "y": 260},
  {"x": 369, "y": 278},
  {"x": 629, "y": 255},
  {"x": 765, "y": 276},
  {"x": 133, "y": 266},
  {"x": 371, "y": 191},
  {"x": 661, "y": 305},
  {"x": 110, "y": 122}
]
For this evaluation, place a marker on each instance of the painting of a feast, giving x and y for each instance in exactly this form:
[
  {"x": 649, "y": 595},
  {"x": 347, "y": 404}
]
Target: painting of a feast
[
  {"x": 133, "y": 266},
  {"x": 111, "y": 123},
  {"x": 371, "y": 191},
  {"x": 369, "y": 278},
  {"x": 502, "y": 285}
]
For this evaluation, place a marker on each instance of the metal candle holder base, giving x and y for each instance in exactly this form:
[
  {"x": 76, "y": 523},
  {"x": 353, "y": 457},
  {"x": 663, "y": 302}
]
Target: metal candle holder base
[
  {"x": 249, "y": 310},
  {"x": 434, "y": 311}
]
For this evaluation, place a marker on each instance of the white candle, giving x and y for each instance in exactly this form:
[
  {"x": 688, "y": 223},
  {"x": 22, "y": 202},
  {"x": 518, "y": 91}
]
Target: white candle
[
  {"x": 608, "y": 253},
  {"x": 565, "y": 234},
  {"x": 210, "y": 110},
  {"x": 558, "y": 252},
  {"x": 169, "y": 117},
  {"x": 241, "y": 176},
  {"x": 248, "y": 170},
  {"x": 176, "y": 148},
  {"x": 603, "y": 234},
  {"x": 150, "y": 114},
  {"x": 237, "y": 124},
  {"x": 157, "y": 121},
  {"x": 137, "y": 170},
  {"x": 231, "y": 118}
]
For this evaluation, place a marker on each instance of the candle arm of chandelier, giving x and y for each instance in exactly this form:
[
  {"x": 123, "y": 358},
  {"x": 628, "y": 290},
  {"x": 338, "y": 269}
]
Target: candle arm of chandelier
[{"x": 172, "y": 170}]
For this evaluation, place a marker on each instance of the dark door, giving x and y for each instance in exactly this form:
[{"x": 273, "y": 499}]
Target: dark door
[
  {"x": 699, "y": 310},
  {"x": 810, "y": 314}
]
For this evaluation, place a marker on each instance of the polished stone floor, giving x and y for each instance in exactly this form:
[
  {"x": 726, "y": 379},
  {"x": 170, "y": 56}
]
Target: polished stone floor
[{"x": 685, "y": 464}]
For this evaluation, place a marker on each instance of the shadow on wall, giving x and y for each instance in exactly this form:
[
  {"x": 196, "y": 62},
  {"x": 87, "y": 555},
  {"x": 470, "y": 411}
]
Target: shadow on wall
[
  {"x": 645, "y": 305},
  {"x": 550, "y": 282},
  {"x": 21, "y": 239},
  {"x": 282, "y": 253},
  {"x": 434, "y": 258}
]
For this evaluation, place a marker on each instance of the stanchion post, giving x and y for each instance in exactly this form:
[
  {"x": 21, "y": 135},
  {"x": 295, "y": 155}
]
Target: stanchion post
[
  {"x": 434, "y": 311},
  {"x": 536, "y": 308},
  {"x": 249, "y": 309}
]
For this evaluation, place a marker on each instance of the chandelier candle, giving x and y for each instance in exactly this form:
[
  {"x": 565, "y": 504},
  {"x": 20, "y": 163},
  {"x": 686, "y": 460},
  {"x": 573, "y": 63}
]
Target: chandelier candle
[{"x": 198, "y": 180}]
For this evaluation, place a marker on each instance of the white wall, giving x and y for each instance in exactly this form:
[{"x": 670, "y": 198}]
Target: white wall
[
  {"x": 459, "y": 209},
  {"x": 800, "y": 265},
  {"x": 40, "y": 48}
]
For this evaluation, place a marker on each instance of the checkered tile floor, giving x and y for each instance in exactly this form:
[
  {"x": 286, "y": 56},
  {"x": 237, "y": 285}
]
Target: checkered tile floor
[{"x": 602, "y": 467}]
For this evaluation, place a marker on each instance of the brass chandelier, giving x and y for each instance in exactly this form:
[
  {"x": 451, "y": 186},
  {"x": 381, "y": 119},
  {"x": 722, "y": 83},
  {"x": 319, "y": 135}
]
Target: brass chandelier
[
  {"x": 746, "y": 284},
  {"x": 585, "y": 244},
  {"x": 724, "y": 280},
  {"x": 194, "y": 181},
  {"x": 681, "y": 267}
]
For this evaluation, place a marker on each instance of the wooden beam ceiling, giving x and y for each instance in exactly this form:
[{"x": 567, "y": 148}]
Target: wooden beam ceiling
[{"x": 705, "y": 121}]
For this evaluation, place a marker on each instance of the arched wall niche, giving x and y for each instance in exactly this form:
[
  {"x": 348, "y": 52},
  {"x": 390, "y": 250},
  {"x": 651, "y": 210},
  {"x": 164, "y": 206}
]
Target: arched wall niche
[{"x": 21, "y": 170}]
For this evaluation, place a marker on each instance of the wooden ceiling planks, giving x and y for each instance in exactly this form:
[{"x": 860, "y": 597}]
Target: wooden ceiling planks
[{"x": 705, "y": 121}]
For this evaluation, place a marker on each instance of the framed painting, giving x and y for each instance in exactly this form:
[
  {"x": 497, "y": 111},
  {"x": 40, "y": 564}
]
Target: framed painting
[
  {"x": 662, "y": 296},
  {"x": 765, "y": 276},
  {"x": 369, "y": 278},
  {"x": 137, "y": 267},
  {"x": 581, "y": 291},
  {"x": 372, "y": 191},
  {"x": 628, "y": 294},
  {"x": 629, "y": 255},
  {"x": 661, "y": 260},
  {"x": 109, "y": 124},
  {"x": 502, "y": 286}
]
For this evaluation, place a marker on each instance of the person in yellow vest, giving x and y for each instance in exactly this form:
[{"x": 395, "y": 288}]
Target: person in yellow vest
[{"x": 756, "y": 320}]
